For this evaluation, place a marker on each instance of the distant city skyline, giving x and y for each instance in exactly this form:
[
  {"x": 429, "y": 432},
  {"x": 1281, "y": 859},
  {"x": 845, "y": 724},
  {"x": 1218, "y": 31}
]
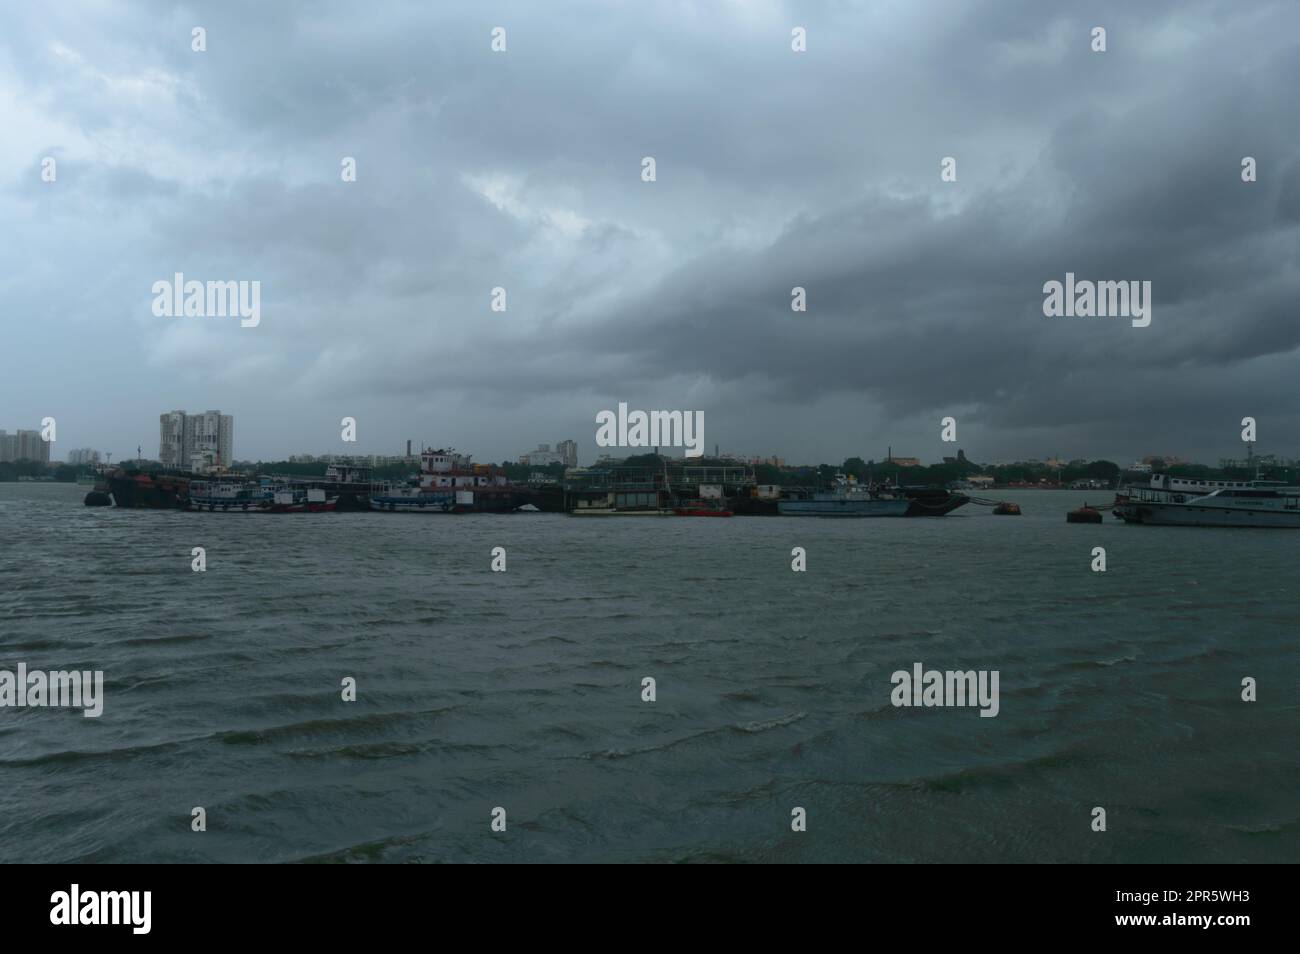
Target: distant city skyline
[
  {"x": 348, "y": 450},
  {"x": 71, "y": 435}
]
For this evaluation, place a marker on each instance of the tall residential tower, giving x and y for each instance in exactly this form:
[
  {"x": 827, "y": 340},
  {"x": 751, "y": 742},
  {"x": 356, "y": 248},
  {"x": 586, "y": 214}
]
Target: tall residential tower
[{"x": 196, "y": 441}]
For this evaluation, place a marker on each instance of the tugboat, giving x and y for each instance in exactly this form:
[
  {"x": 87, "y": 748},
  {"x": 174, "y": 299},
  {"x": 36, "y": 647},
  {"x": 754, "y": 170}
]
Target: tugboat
[{"x": 846, "y": 498}]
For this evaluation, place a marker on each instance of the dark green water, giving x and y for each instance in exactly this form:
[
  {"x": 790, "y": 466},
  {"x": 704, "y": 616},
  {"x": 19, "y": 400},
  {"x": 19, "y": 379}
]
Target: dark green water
[{"x": 523, "y": 689}]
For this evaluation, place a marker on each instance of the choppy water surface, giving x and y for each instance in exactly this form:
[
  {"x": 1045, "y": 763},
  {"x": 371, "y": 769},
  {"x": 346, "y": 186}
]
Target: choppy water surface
[{"x": 523, "y": 689}]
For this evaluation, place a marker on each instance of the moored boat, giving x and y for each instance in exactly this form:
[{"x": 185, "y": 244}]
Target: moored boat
[
  {"x": 846, "y": 498},
  {"x": 1254, "y": 503},
  {"x": 450, "y": 482},
  {"x": 224, "y": 496},
  {"x": 412, "y": 500}
]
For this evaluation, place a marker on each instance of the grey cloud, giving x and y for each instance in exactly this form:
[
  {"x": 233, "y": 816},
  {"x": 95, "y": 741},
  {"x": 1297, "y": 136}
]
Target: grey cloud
[{"x": 775, "y": 170}]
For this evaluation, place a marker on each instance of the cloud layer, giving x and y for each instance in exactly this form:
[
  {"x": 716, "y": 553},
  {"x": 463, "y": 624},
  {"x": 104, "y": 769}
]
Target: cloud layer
[{"x": 775, "y": 169}]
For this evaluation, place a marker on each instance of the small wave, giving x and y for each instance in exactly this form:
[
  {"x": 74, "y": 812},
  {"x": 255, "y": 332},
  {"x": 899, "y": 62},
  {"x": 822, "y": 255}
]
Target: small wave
[
  {"x": 1096, "y": 663},
  {"x": 314, "y": 726},
  {"x": 747, "y": 728},
  {"x": 390, "y": 750},
  {"x": 1269, "y": 828},
  {"x": 771, "y": 723},
  {"x": 1004, "y": 773},
  {"x": 362, "y": 852},
  {"x": 74, "y": 756},
  {"x": 164, "y": 640}
]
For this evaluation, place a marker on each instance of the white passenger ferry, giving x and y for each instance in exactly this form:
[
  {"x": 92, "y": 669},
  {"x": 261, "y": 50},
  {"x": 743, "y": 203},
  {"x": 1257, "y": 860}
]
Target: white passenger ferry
[{"x": 1235, "y": 503}]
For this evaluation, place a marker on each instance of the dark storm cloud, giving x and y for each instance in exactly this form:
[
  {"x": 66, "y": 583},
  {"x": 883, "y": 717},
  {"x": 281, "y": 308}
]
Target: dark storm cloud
[{"x": 775, "y": 169}]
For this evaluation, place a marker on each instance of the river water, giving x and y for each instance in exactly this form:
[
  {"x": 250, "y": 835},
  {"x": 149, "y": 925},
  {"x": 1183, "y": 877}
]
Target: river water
[{"x": 522, "y": 689}]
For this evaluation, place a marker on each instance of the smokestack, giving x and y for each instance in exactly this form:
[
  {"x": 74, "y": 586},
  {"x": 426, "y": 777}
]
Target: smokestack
[{"x": 408, "y": 447}]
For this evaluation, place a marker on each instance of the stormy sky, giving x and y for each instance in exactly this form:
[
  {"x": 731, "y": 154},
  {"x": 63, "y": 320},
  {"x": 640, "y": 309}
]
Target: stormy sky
[{"x": 522, "y": 169}]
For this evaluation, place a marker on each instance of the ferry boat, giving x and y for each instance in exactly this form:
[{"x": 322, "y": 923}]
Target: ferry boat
[
  {"x": 846, "y": 498},
  {"x": 227, "y": 495},
  {"x": 1184, "y": 488},
  {"x": 1245, "y": 503}
]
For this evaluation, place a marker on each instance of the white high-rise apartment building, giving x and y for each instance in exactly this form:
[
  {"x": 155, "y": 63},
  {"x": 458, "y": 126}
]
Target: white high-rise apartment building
[{"x": 186, "y": 440}]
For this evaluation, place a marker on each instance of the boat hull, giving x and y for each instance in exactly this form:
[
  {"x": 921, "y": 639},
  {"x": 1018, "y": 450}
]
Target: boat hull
[
  {"x": 163, "y": 492},
  {"x": 428, "y": 503},
  {"x": 1189, "y": 515},
  {"x": 225, "y": 506},
  {"x": 843, "y": 508},
  {"x": 302, "y": 507},
  {"x": 933, "y": 503}
]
